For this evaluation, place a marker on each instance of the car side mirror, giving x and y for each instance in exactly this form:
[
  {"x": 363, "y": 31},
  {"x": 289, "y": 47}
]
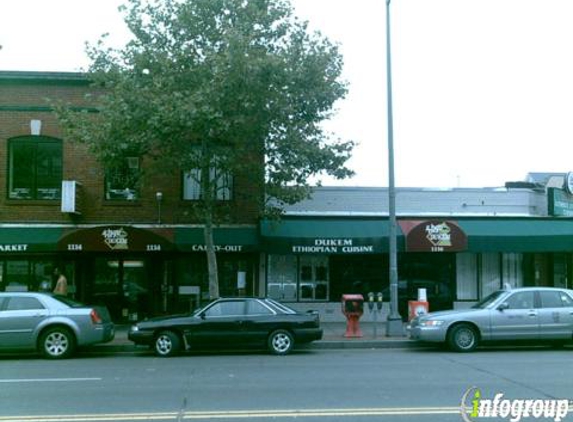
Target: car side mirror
[
  {"x": 502, "y": 307},
  {"x": 202, "y": 315}
]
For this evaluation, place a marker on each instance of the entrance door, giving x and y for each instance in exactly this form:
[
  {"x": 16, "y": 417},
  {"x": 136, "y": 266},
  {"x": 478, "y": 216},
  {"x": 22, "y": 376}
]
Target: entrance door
[
  {"x": 122, "y": 286},
  {"x": 313, "y": 284}
]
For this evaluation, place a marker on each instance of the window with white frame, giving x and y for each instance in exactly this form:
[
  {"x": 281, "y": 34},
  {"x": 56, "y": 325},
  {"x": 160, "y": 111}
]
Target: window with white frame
[{"x": 219, "y": 179}]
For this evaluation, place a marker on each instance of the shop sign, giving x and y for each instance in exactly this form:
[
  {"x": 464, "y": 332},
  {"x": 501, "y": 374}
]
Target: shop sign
[
  {"x": 333, "y": 246},
  {"x": 114, "y": 239},
  {"x": 14, "y": 248},
  {"x": 433, "y": 236},
  {"x": 560, "y": 203},
  {"x": 218, "y": 248}
]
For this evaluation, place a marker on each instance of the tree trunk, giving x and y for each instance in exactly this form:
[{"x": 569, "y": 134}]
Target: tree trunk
[{"x": 211, "y": 260}]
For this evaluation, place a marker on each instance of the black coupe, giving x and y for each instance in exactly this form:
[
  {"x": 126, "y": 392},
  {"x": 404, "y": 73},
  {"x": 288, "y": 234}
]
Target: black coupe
[{"x": 229, "y": 323}]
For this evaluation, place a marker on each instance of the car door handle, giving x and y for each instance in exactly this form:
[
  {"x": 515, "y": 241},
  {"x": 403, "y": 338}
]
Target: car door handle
[{"x": 532, "y": 313}]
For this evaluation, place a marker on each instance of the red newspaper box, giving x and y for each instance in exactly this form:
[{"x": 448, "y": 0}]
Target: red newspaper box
[{"x": 352, "y": 308}]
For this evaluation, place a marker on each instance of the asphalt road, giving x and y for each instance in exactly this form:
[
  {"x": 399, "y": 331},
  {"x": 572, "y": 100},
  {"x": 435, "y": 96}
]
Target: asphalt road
[{"x": 314, "y": 385}]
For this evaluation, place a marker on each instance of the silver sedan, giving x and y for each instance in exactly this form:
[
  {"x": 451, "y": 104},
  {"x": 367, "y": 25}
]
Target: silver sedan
[
  {"x": 528, "y": 313},
  {"x": 53, "y": 325}
]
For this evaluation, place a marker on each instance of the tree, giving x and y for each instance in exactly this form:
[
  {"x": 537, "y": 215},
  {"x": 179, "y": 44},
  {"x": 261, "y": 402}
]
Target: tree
[{"x": 218, "y": 88}]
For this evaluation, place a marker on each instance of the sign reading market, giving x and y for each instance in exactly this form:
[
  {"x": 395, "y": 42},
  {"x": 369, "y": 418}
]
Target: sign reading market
[{"x": 433, "y": 236}]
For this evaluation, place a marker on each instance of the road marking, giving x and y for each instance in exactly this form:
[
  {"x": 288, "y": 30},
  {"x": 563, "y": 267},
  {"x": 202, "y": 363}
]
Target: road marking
[
  {"x": 34, "y": 380},
  {"x": 235, "y": 414}
]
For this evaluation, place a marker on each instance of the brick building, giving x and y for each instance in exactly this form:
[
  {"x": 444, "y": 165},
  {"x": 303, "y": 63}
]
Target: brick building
[{"x": 136, "y": 248}]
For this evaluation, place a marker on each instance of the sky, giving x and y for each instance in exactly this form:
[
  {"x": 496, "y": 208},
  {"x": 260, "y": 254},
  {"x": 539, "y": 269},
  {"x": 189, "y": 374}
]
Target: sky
[{"x": 482, "y": 89}]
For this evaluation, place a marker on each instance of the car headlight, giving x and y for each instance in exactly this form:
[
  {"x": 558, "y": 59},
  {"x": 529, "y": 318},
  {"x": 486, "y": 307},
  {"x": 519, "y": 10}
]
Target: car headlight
[
  {"x": 134, "y": 329},
  {"x": 431, "y": 323}
]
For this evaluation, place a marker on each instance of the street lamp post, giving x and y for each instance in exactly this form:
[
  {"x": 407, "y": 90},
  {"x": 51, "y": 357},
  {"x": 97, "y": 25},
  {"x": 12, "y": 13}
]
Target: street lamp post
[{"x": 394, "y": 325}]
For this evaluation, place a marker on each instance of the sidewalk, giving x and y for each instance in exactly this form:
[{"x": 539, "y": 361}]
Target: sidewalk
[{"x": 333, "y": 338}]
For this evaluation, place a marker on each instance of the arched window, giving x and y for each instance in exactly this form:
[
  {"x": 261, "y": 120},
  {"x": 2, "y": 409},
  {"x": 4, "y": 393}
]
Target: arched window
[{"x": 34, "y": 168}]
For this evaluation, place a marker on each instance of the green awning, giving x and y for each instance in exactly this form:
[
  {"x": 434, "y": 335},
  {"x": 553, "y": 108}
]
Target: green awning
[
  {"x": 326, "y": 236},
  {"x": 227, "y": 239},
  {"x": 518, "y": 235},
  {"x": 19, "y": 240}
]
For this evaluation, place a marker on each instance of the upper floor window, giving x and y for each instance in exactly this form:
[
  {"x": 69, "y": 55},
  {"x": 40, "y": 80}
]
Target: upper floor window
[
  {"x": 35, "y": 168},
  {"x": 122, "y": 180},
  {"x": 221, "y": 181}
]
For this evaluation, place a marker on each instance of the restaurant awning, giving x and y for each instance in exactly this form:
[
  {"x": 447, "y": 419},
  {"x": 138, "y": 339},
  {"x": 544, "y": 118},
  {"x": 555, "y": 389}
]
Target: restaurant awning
[
  {"x": 227, "y": 239},
  {"x": 18, "y": 240},
  {"x": 326, "y": 236},
  {"x": 518, "y": 235}
]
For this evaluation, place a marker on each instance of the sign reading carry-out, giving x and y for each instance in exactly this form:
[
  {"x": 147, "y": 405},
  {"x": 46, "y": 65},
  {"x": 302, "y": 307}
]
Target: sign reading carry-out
[{"x": 433, "y": 236}]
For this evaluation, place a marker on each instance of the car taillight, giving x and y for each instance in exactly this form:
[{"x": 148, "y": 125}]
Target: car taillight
[{"x": 96, "y": 319}]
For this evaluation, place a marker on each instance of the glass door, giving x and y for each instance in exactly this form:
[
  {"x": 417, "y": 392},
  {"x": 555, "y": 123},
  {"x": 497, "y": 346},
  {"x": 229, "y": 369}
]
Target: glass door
[
  {"x": 122, "y": 286},
  {"x": 314, "y": 278}
]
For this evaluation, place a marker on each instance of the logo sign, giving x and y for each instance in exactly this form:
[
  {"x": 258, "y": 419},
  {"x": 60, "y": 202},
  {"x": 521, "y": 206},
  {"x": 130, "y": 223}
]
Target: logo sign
[
  {"x": 433, "y": 236},
  {"x": 116, "y": 239},
  {"x": 439, "y": 235},
  {"x": 475, "y": 408},
  {"x": 560, "y": 203}
]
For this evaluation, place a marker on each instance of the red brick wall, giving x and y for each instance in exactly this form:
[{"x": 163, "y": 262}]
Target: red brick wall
[{"x": 22, "y": 101}]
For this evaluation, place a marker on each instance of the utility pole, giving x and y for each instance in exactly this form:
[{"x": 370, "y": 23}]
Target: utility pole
[{"x": 394, "y": 325}]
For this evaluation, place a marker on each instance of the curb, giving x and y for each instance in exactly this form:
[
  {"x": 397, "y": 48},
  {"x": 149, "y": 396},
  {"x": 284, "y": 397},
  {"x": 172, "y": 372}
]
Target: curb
[{"x": 317, "y": 345}]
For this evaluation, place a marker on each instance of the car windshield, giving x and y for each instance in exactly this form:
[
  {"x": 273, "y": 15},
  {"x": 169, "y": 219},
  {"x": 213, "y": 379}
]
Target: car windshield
[{"x": 488, "y": 300}]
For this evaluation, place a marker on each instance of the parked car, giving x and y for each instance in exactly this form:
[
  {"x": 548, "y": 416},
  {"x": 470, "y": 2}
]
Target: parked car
[
  {"x": 53, "y": 325},
  {"x": 229, "y": 323},
  {"x": 529, "y": 313}
]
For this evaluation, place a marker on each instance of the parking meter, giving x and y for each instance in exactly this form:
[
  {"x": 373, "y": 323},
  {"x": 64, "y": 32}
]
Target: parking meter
[
  {"x": 371, "y": 301},
  {"x": 379, "y": 302}
]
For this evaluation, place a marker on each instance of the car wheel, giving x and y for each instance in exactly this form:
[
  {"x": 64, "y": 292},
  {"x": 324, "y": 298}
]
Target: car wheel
[
  {"x": 57, "y": 343},
  {"x": 167, "y": 343},
  {"x": 463, "y": 338},
  {"x": 280, "y": 342}
]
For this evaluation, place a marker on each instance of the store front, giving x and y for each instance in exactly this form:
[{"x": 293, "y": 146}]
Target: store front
[
  {"x": 135, "y": 272},
  {"x": 457, "y": 261},
  {"x": 121, "y": 267}
]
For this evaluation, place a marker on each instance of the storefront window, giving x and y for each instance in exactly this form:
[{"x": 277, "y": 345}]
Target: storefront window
[
  {"x": 512, "y": 269},
  {"x": 17, "y": 277},
  {"x": 282, "y": 270},
  {"x": 33, "y": 275},
  {"x": 466, "y": 276},
  {"x": 490, "y": 273},
  {"x": 560, "y": 270}
]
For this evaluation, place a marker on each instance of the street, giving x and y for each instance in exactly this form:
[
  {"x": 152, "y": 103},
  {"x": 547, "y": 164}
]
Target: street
[{"x": 311, "y": 385}]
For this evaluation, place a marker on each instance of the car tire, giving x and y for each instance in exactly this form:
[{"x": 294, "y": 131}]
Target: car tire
[
  {"x": 167, "y": 343},
  {"x": 57, "y": 343},
  {"x": 463, "y": 338},
  {"x": 280, "y": 342}
]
